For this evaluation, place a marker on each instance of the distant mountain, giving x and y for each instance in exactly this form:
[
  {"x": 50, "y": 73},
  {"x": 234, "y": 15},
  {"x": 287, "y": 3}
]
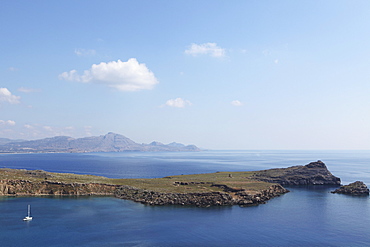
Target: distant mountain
[
  {"x": 110, "y": 142},
  {"x": 6, "y": 140}
]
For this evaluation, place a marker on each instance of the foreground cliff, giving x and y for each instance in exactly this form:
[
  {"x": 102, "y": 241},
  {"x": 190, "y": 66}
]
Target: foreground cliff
[
  {"x": 38, "y": 183},
  {"x": 212, "y": 189},
  {"x": 27, "y": 188},
  {"x": 200, "y": 199}
]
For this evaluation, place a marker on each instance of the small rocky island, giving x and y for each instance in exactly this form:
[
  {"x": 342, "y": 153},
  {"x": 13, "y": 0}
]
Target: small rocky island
[
  {"x": 357, "y": 188},
  {"x": 203, "y": 190}
]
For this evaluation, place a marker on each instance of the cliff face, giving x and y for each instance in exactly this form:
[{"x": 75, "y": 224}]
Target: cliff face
[
  {"x": 315, "y": 173},
  {"x": 241, "y": 198},
  {"x": 27, "y": 188}
]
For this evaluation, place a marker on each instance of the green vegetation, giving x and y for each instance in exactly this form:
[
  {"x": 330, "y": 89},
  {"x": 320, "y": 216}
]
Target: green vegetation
[
  {"x": 196, "y": 183},
  {"x": 39, "y": 176}
]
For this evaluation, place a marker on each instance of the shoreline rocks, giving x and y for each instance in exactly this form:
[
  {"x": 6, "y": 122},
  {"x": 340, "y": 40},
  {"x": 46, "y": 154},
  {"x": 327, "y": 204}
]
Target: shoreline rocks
[
  {"x": 241, "y": 198},
  {"x": 202, "y": 190},
  {"x": 27, "y": 188},
  {"x": 357, "y": 188}
]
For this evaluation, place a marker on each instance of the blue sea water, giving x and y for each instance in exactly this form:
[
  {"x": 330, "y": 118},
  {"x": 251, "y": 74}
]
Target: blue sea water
[{"x": 307, "y": 216}]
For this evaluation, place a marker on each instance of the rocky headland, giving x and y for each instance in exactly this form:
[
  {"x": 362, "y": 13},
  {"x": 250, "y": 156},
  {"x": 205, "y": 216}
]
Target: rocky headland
[
  {"x": 314, "y": 173},
  {"x": 357, "y": 188},
  {"x": 203, "y": 190}
]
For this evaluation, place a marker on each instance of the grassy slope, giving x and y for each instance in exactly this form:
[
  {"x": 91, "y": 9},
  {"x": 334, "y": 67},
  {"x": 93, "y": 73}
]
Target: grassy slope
[{"x": 195, "y": 183}]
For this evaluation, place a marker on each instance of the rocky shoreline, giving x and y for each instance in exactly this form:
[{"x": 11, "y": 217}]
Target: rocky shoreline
[
  {"x": 241, "y": 198},
  {"x": 202, "y": 190},
  {"x": 46, "y": 188},
  {"x": 357, "y": 188},
  {"x": 28, "y": 188}
]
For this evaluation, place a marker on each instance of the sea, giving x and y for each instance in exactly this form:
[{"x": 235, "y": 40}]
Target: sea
[{"x": 306, "y": 216}]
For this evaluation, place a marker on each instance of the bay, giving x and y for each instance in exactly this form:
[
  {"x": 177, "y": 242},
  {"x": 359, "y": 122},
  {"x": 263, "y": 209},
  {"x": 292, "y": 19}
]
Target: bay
[{"x": 307, "y": 216}]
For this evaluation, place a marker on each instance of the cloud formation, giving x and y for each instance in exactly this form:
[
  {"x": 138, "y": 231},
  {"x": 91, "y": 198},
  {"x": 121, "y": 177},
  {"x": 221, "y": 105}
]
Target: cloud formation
[
  {"x": 39, "y": 131},
  {"x": 7, "y": 96},
  {"x": 7, "y": 123},
  {"x": 205, "y": 49},
  {"x": 84, "y": 52},
  {"x": 178, "y": 102},
  {"x": 124, "y": 76},
  {"x": 236, "y": 103},
  {"x": 28, "y": 90},
  {"x": 13, "y": 69}
]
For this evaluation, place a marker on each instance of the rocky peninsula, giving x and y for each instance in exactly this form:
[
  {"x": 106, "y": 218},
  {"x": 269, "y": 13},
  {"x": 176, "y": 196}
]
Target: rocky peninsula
[{"x": 203, "y": 190}]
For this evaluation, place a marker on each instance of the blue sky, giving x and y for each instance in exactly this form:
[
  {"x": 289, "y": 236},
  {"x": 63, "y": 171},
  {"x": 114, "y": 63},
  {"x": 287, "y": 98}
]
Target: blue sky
[{"x": 217, "y": 74}]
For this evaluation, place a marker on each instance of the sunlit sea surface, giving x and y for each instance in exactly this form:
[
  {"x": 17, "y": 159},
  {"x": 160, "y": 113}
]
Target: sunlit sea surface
[{"x": 307, "y": 216}]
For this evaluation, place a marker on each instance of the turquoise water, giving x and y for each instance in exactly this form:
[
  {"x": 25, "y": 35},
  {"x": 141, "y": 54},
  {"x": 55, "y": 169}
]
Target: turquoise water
[{"x": 307, "y": 216}]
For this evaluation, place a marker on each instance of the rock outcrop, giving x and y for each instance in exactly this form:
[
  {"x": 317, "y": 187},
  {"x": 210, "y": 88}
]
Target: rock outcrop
[
  {"x": 357, "y": 188},
  {"x": 27, "y": 188},
  {"x": 241, "y": 198},
  {"x": 315, "y": 173}
]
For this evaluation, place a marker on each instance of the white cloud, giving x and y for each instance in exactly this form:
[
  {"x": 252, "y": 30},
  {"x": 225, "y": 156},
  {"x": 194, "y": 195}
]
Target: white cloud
[
  {"x": 276, "y": 61},
  {"x": 124, "y": 76},
  {"x": 28, "y": 90},
  {"x": 7, "y": 123},
  {"x": 205, "y": 49},
  {"x": 29, "y": 131},
  {"x": 71, "y": 76},
  {"x": 88, "y": 130},
  {"x": 48, "y": 128},
  {"x": 266, "y": 52},
  {"x": 42, "y": 131},
  {"x": 178, "y": 102},
  {"x": 236, "y": 103},
  {"x": 7, "y": 96},
  {"x": 85, "y": 52},
  {"x": 13, "y": 69}
]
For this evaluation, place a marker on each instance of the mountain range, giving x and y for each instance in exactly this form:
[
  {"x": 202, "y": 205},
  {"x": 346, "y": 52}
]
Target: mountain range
[{"x": 110, "y": 142}]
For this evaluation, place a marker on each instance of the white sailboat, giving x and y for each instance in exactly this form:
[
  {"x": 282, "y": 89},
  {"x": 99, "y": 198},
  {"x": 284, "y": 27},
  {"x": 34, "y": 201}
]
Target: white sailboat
[{"x": 28, "y": 217}]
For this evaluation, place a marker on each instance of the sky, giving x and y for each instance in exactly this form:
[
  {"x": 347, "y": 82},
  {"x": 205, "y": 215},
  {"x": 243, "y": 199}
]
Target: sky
[{"x": 219, "y": 74}]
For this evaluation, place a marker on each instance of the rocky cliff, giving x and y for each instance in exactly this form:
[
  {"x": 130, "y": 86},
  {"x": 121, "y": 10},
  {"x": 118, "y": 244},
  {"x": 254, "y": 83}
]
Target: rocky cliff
[
  {"x": 203, "y": 190},
  {"x": 241, "y": 197},
  {"x": 28, "y": 188},
  {"x": 315, "y": 173},
  {"x": 230, "y": 196}
]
